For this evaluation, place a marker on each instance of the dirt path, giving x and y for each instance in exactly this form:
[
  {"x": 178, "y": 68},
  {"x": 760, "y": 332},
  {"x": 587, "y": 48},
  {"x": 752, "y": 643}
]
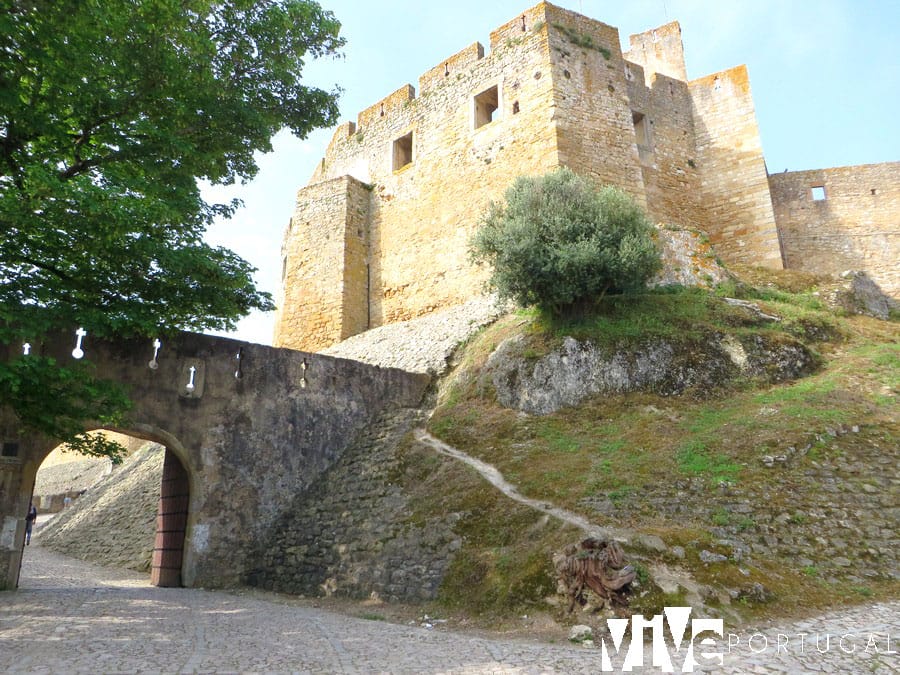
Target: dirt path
[{"x": 495, "y": 478}]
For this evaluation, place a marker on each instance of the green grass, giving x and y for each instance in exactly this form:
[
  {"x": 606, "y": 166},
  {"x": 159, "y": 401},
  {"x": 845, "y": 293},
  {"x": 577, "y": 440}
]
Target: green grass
[
  {"x": 620, "y": 447},
  {"x": 694, "y": 459}
]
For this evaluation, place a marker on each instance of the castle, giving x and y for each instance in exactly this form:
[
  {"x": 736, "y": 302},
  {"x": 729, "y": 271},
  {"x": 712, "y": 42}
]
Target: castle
[{"x": 380, "y": 233}]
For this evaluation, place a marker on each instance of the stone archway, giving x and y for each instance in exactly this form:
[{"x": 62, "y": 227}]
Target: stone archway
[
  {"x": 251, "y": 427},
  {"x": 171, "y": 510}
]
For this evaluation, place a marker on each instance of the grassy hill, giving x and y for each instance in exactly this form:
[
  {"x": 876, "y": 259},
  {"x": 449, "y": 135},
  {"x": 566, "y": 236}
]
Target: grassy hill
[{"x": 752, "y": 479}]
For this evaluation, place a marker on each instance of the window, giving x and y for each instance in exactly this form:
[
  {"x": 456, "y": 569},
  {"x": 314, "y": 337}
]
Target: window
[
  {"x": 10, "y": 450},
  {"x": 486, "y": 105},
  {"x": 640, "y": 129},
  {"x": 403, "y": 151},
  {"x": 818, "y": 193},
  {"x": 642, "y": 138}
]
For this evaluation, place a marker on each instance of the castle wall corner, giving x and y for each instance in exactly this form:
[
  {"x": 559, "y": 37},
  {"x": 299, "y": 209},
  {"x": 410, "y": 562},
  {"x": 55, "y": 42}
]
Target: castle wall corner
[
  {"x": 735, "y": 186},
  {"x": 325, "y": 266}
]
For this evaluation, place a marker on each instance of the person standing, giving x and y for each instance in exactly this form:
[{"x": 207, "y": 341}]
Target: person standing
[{"x": 29, "y": 522}]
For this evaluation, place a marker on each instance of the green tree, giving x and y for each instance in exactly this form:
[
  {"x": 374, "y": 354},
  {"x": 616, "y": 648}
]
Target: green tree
[
  {"x": 110, "y": 112},
  {"x": 560, "y": 243}
]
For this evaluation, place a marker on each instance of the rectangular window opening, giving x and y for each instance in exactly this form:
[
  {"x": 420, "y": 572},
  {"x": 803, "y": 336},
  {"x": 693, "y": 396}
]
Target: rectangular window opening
[
  {"x": 10, "y": 450},
  {"x": 818, "y": 193},
  {"x": 486, "y": 105},
  {"x": 640, "y": 129},
  {"x": 642, "y": 138},
  {"x": 403, "y": 151}
]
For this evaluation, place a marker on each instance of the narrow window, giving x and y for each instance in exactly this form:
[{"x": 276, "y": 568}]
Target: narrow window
[
  {"x": 403, "y": 151},
  {"x": 516, "y": 112},
  {"x": 642, "y": 138},
  {"x": 486, "y": 104},
  {"x": 818, "y": 193},
  {"x": 640, "y": 129}
]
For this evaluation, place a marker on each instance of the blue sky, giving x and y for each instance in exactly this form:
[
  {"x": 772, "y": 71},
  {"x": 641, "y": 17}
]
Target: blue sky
[{"x": 825, "y": 77}]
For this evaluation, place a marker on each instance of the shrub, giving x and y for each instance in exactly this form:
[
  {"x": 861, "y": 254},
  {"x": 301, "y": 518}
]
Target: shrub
[{"x": 560, "y": 243}]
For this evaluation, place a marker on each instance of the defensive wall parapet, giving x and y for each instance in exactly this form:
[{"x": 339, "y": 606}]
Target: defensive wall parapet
[
  {"x": 249, "y": 444},
  {"x": 841, "y": 218}
]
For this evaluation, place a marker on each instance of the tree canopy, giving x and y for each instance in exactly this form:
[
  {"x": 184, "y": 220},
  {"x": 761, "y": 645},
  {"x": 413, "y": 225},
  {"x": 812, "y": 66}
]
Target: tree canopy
[
  {"x": 110, "y": 113},
  {"x": 560, "y": 243}
]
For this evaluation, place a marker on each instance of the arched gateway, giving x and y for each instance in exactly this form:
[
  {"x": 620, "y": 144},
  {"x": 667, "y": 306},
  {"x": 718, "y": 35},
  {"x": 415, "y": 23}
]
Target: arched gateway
[{"x": 246, "y": 428}]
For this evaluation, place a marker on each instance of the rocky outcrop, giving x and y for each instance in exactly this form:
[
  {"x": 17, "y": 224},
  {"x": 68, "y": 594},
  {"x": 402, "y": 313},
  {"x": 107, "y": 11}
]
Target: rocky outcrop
[
  {"x": 856, "y": 293},
  {"x": 687, "y": 259},
  {"x": 577, "y": 370}
]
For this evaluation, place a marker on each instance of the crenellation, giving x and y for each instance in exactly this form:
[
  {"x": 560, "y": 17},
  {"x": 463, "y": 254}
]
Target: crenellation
[
  {"x": 450, "y": 67},
  {"x": 386, "y": 107},
  {"x": 381, "y": 232},
  {"x": 659, "y": 51},
  {"x": 532, "y": 20}
]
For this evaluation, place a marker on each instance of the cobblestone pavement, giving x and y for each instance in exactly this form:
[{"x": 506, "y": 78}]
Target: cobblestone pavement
[{"x": 73, "y": 617}]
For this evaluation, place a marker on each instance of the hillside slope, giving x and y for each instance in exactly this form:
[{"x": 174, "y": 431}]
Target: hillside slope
[{"x": 761, "y": 489}]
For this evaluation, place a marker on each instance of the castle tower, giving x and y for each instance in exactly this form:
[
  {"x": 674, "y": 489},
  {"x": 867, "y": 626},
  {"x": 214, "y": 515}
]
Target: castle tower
[{"x": 381, "y": 232}]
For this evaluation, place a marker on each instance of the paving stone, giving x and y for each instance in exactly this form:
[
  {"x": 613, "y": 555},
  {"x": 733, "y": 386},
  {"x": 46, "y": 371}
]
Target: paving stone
[{"x": 75, "y": 617}]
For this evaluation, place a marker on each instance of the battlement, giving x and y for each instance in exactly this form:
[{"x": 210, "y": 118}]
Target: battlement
[
  {"x": 457, "y": 63},
  {"x": 532, "y": 19},
  {"x": 386, "y": 106},
  {"x": 554, "y": 90},
  {"x": 659, "y": 51}
]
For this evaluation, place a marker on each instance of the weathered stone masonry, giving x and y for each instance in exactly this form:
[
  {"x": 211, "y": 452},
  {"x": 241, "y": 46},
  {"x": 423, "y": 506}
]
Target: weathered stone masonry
[
  {"x": 248, "y": 445},
  {"x": 833, "y": 220},
  {"x": 380, "y": 233}
]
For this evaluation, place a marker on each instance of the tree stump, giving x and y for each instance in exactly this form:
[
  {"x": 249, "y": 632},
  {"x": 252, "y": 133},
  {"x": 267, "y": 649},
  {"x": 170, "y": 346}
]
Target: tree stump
[{"x": 597, "y": 565}]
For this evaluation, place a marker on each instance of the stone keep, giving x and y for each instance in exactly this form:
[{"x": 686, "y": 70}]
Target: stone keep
[{"x": 380, "y": 233}]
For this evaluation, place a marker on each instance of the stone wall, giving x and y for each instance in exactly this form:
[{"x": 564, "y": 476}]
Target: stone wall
[
  {"x": 350, "y": 535},
  {"x": 325, "y": 255},
  {"x": 851, "y": 222},
  {"x": 595, "y": 133},
  {"x": 114, "y": 522},
  {"x": 554, "y": 90},
  {"x": 424, "y": 211},
  {"x": 249, "y": 443},
  {"x": 740, "y": 219}
]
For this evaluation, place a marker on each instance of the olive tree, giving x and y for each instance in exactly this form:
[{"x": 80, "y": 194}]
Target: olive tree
[{"x": 559, "y": 242}]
